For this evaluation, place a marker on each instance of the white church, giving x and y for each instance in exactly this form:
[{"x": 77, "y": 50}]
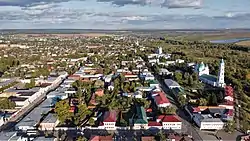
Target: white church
[{"x": 205, "y": 77}]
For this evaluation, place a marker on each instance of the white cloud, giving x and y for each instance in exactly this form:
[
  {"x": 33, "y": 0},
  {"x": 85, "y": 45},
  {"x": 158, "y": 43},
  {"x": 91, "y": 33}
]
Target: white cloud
[
  {"x": 134, "y": 18},
  {"x": 183, "y": 3},
  {"x": 164, "y": 3}
]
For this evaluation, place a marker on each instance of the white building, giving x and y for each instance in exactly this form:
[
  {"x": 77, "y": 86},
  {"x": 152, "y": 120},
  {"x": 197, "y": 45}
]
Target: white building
[
  {"x": 159, "y": 50},
  {"x": 221, "y": 73},
  {"x": 165, "y": 72},
  {"x": 170, "y": 122},
  {"x": 149, "y": 76},
  {"x": 109, "y": 120},
  {"x": 207, "y": 122},
  {"x": 138, "y": 94},
  {"x": 202, "y": 69},
  {"x": 179, "y": 61},
  {"x": 216, "y": 81}
]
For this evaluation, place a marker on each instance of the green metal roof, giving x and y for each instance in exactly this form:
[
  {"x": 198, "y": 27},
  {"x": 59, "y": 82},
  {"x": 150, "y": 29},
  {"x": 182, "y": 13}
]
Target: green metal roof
[
  {"x": 153, "y": 82},
  {"x": 201, "y": 66},
  {"x": 209, "y": 77},
  {"x": 141, "y": 117}
]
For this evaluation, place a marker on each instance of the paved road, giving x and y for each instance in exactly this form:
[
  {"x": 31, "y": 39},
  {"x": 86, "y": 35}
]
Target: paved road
[
  {"x": 237, "y": 110},
  {"x": 187, "y": 127}
]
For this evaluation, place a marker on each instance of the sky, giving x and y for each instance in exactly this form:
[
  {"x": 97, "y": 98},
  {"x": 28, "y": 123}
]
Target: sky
[{"x": 124, "y": 14}]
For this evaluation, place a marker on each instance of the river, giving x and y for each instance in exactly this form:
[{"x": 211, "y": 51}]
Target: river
[{"x": 228, "y": 41}]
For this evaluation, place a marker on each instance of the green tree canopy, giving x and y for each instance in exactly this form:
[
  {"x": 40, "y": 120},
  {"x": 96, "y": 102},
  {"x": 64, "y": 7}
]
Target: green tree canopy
[
  {"x": 82, "y": 138},
  {"x": 82, "y": 112},
  {"x": 5, "y": 103},
  {"x": 178, "y": 77},
  {"x": 230, "y": 126},
  {"x": 62, "y": 111},
  {"x": 168, "y": 110},
  {"x": 181, "y": 99},
  {"x": 203, "y": 102}
]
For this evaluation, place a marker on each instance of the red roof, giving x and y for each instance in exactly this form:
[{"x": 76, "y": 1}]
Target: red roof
[
  {"x": 74, "y": 75},
  {"x": 228, "y": 91},
  {"x": 172, "y": 136},
  {"x": 147, "y": 138},
  {"x": 161, "y": 98},
  {"x": 230, "y": 112},
  {"x": 45, "y": 84},
  {"x": 101, "y": 138},
  {"x": 228, "y": 102},
  {"x": 99, "y": 92},
  {"x": 149, "y": 110},
  {"x": 171, "y": 118},
  {"x": 110, "y": 116},
  {"x": 161, "y": 117},
  {"x": 154, "y": 123},
  {"x": 101, "y": 124},
  {"x": 196, "y": 109},
  {"x": 72, "y": 109}
]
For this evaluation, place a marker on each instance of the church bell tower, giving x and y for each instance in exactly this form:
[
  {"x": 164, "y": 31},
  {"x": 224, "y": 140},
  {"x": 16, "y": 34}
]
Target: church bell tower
[{"x": 220, "y": 80}]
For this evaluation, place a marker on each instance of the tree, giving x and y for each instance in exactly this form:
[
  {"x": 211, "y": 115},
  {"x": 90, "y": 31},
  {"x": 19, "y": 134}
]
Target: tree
[
  {"x": 245, "y": 125},
  {"x": 82, "y": 112},
  {"x": 161, "y": 136},
  {"x": 178, "y": 77},
  {"x": 62, "y": 111},
  {"x": 91, "y": 121},
  {"x": 143, "y": 102},
  {"x": 81, "y": 138},
  {"x": 99, "y": 83},
  {"x": 79, "y": 94},
  {"x": 203, "y": 102},
  {"x": 31, "y": 84},
  {"x": 168, "y": 110},
  {"x": 195, "y": 76},
  {"x": 213, "y": 99},
  {"x": 5, "y": 103},
  {"x": 230, "y": 126},
  {"x": 190, "y": 81},
  {"x": 220, "y": 96},
  {"x": 181, "y": 100}
]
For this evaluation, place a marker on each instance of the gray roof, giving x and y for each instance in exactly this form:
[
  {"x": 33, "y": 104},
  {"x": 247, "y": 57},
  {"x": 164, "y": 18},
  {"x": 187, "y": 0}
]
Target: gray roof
[
  {"x": 44, "y": 139},
  {"x": 216, "y": 110},
  {"x": 35, "y": 89},
  {"x": 36, "y": 114},
  {"x": 26, "y": 93},
  {"x": 4, "y": 83},
  {"x": 171, "y": 83},
  {"x": 50, "y": 118},
  {"x": 207, "y": 118},
  {"x": 58, "y": 92},
  {"x": 5, "y": 136}
]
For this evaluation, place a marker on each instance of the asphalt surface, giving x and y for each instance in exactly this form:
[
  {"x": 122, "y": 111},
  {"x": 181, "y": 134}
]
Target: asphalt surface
[
  {"x": 187, "y": 128},
  {"x": 237, "y": 111}
]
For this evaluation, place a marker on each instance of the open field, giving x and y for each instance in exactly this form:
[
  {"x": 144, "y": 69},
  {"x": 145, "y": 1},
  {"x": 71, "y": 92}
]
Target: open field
[
  {"x": 214, "y": 36},
  {"x": 244, "y": 43},
  {"x": 68, "y": 35}
]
